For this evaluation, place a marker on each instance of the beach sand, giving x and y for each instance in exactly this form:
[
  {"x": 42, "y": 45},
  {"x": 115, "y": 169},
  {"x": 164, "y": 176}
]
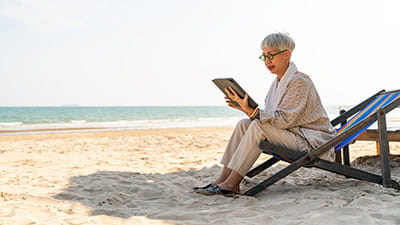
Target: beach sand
[{"x": 146, "y": 176}]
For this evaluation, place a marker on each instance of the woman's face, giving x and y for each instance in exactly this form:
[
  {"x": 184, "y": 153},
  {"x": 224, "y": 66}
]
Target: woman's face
[{"x": 279, "y": 62}]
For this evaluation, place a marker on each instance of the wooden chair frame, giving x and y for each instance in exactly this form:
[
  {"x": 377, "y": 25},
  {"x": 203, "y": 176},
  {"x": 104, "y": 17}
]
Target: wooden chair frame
[{"x": 301, "y": 159}]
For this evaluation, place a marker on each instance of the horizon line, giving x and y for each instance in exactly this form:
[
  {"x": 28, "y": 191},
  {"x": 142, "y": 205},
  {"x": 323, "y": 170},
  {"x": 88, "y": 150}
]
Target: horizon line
[{"x": 71, "y": 106}]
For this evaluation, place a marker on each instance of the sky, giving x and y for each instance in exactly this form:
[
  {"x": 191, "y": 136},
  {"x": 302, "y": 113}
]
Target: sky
[{"x": 166, "y": 52}]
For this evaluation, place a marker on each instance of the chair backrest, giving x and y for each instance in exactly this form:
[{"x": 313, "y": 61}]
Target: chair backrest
[{"x": 379, "y": 101}]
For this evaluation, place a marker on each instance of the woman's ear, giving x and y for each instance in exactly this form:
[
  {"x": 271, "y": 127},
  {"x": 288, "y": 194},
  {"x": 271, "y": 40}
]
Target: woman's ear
[{"x": 288, "y": 53}]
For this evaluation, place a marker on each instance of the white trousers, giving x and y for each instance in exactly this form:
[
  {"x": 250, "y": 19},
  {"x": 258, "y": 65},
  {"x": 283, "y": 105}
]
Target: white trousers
[{"x": 243, "y": 147}]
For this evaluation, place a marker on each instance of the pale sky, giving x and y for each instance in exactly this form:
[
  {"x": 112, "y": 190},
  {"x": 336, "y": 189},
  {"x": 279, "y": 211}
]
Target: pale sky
[{"x": 166, "y": 52}]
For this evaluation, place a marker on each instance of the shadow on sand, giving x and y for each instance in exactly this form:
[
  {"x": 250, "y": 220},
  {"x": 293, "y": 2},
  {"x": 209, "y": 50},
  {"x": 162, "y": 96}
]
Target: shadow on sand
[
  {"x": 169, "y": 196},
  {"x": 158, "y": 196}
]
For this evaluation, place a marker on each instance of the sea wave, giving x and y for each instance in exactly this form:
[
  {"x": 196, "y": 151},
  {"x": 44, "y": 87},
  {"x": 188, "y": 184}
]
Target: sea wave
[
  {"x": 121, "y": 124},
  {"x": 10, "y": 124},
  {"x": 78, "y": 121}
]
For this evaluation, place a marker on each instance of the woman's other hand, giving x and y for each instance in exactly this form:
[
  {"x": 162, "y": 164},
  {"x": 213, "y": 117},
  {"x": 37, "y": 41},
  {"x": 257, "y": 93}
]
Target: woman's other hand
[{"x": 242, "y": 103}]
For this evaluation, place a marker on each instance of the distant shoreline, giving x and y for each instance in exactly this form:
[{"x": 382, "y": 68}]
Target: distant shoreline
[
  {"x": 98, "y": 129},
  {"x": 51, "y": 130}
]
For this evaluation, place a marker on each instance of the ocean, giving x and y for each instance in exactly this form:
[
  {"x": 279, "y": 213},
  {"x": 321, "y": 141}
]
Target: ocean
[{"x": 17, "y": 120}]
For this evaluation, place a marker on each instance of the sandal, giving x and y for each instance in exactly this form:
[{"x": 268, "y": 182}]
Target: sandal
[
  {"x": 216, "y": 190},
  {"x": 203, "y": 187}
]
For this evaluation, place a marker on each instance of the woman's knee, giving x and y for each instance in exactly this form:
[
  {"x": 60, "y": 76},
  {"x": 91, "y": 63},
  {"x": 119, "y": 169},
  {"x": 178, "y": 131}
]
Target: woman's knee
[
  {"x": 243, "y": 124},
  {"x": 279, "y": 136},
  {"x": 255, "y": 124}
]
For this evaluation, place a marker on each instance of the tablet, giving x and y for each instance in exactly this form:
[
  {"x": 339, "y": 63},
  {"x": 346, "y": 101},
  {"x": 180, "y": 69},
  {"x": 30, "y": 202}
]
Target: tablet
[{"x": 223, "y": 83}]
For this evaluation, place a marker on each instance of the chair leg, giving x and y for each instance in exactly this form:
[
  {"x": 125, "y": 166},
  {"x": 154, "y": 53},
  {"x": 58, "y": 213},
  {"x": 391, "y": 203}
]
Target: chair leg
[
  {"x": 345, "y": 150},
  {"x": 346, "y": 155},
  {"x": 263, "y": 166},
  {"x": 276, "y": 177},
  {"x": 384, "y": 148},
  {"x": 338, "y": 157}
]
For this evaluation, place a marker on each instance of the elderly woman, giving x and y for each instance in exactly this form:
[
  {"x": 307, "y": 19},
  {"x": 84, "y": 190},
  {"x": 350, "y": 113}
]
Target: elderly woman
[{"x": 293, "y": 117}]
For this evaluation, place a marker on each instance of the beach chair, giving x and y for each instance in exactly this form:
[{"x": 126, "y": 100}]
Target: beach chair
[{"x": 360, "y": 118}]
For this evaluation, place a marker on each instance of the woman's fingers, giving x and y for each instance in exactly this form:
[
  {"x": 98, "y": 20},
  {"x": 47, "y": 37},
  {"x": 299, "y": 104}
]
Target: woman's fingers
[
  {"x": 234, "y": 97},
  {"x": 246, "y": 97},
  {"x": 228, "y": 93},
  {"x": 234, "y": 94},
  {"x": 231, "y": 104}
]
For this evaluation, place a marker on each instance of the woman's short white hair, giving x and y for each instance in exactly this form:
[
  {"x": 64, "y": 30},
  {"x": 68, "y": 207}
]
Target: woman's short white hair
[{"x": 279, "y": 41}]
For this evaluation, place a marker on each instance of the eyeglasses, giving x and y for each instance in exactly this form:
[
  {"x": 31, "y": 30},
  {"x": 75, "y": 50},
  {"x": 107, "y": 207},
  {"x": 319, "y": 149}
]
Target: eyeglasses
[{"x": 270, "y": 56}]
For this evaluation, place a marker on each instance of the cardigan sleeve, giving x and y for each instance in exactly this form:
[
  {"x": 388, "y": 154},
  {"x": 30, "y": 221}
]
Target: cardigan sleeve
[{"x": 290, "y": 106}]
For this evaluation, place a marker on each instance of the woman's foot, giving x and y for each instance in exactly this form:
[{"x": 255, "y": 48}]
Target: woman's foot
[
  {"x": 216, "y": 190},
  {"x": 225, "y": 186},
  {"x": 203, "y": 187}
]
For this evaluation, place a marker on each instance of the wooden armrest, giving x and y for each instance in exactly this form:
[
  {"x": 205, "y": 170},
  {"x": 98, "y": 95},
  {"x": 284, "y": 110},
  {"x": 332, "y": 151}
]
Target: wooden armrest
[{"x": 372, "y": 135}]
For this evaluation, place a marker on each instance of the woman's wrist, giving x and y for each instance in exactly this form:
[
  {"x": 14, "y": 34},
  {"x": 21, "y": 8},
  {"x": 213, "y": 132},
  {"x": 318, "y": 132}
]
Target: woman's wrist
[
  {"x": 254, "y": 113},
  {"x": 248, "y": 111}
]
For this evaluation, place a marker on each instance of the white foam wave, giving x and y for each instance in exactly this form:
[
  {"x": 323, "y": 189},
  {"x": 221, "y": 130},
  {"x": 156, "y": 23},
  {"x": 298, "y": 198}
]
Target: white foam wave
[
  {"x": 8, "y": 124},
  {"x": 78, "y": 121},
  {"x": 124, "y": 124}
]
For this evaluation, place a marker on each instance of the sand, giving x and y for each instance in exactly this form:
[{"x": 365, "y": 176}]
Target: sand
[{"x": 145, "y": 177}]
